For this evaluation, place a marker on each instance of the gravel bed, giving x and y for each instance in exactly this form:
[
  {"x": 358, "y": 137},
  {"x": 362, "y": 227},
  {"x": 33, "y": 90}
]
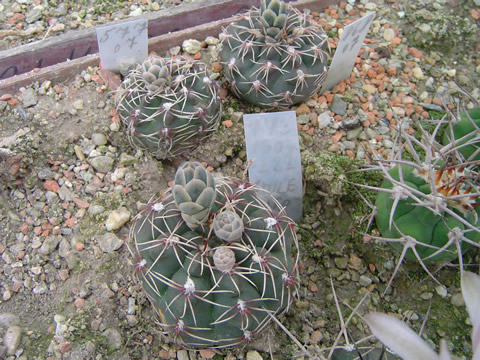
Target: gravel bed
[{"x": 70, "y": 183}]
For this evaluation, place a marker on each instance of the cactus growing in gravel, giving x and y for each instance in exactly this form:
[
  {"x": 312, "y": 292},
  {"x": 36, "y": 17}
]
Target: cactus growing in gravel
[
  {"x": 215, "y": 260},
  {"x": 168, "y": 105},
  {"x": 274, "y": 56},
  {"x": 427, "y": 205}
]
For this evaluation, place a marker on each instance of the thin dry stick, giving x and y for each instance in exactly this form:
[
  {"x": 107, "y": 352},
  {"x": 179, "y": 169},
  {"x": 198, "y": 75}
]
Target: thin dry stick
[
  {"x": 290, "y": 335},
  {"x": 344, "y": 324}
]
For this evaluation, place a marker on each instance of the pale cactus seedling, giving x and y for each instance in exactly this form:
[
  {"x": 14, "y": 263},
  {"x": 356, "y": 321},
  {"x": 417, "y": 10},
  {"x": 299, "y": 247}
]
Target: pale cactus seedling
[{"x": 216, "y": 261}]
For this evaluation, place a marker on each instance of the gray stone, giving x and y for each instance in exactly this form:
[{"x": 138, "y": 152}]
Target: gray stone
[
  {"x": 65, "y": 193},
  {"x": 99, "y": 139},
  {"x": 96, "y": 209},
  {"x": 33, "y": 16},
  {"x": 72, "y": 259},
  {"x": 51, "y": 197},
  {"x": 109, "y": 242},
  {"x": 182, "y": 355},
  {"x": 29, "y": 97},
  {"x": 49, "y": 245},
  {"x": 11, "y": 339},
  {"x": 303, "y": 119},
  {"x": 338, "y": 106},
  {"x": 7, "y": 320},
  {"x": 84, "y": 351},
  {"x": 45, "y": 174},
  {"x": 102, "y": 164},
  {"x": 324, "y": 120},
  {"x": 457, "y": 300},
  {"x": 78, "y": 104},
  {"x": 364, "y": 280},
  {"x": 60, "y": 10},
  {"x": 114, "y": 338}
]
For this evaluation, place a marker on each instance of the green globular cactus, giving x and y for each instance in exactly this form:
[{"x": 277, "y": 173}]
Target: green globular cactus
[
  {"x": 401, "y": 216},
  {"x": 466, "y": 132},
  {"x": 428, "y": 204},
  {"x": 168, "y": 105},
  {"x": 275, "y": 56},
  {"x": 217, "y": 283}
]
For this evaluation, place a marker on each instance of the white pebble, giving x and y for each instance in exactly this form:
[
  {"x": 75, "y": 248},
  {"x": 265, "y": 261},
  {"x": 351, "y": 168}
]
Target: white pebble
[
  {"x": 192, "y": 46},
  {"x": 117, "y": 219},
  {"x": 417, "y": 73}
]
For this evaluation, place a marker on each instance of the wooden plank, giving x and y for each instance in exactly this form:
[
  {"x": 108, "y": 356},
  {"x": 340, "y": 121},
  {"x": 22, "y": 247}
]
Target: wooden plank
[
  {"x": 68, "y": 69},
  {"x": 76, "y": 44}
]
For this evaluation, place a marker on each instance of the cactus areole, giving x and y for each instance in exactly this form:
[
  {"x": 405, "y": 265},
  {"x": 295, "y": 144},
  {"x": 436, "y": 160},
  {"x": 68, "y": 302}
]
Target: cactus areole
[
  {"x": 168, "y": 105},
  {"x": 426, "y": 223},
  {"x": 275, "y": 56},
  {"x": 216, "y": 261}
]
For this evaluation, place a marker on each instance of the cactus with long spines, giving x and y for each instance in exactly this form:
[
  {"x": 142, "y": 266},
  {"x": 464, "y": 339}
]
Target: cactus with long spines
[
  {"x": 274, "y": 56},
  {"x": 168, "y": 105},
  {"x": 428, "y": 204},
  {"x": 216, "y": 280}
]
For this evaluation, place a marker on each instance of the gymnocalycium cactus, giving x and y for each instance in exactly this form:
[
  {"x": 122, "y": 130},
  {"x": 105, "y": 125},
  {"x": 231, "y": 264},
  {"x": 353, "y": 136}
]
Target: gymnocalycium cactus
[
  {"x": 427, "y": 205},
  {"x": 168, "y": 105},
  {"x": 274, "y": 56},
  {"x": 215, "y": 260}
]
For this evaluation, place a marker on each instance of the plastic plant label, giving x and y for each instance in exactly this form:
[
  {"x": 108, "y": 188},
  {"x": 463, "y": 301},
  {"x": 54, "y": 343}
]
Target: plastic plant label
[
  {"x": 347, "y": 50},
  {"x": 123, "y": 44},
  {"x": 272, "y": 142}
]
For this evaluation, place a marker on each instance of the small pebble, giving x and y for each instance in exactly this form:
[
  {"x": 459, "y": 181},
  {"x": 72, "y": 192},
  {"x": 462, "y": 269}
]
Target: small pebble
[
  {"x": 11, "y": 339},
  {"x": 117, "y": 219}
]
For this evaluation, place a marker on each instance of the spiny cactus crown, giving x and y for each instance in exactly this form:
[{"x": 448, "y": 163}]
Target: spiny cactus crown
[
  {"x": 217, "y": 283},
  {"x": 274, "y": 56},
  {"x": 273, "y": 16},
  {"x": 168, "y": 105}
]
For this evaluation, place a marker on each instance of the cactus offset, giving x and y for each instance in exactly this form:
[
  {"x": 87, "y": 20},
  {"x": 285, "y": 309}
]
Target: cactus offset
[
  {"x": 274, "y": 56},
  {"x": 216, "y": 280},
  {"x": 168, "y": 105}
]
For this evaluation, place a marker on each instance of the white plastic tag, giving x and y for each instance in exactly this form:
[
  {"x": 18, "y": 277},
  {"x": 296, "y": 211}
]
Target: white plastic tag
[
  {"x": 272, "y": 142},
  {"x": 347, "y": 51},
  {"x": 123, "y": 44}
]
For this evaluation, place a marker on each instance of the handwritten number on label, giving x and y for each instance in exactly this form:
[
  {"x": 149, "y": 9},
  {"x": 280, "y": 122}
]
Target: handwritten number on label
[
  {"x": 131, "y": 42},
  {"x": 105, "y": 35},
  {"x": 140, "y": 27},
  {"x": 123, "y": 30}
]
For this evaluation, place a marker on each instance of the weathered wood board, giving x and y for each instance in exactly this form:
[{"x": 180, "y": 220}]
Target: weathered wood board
[{"x": 61, "y": 57}]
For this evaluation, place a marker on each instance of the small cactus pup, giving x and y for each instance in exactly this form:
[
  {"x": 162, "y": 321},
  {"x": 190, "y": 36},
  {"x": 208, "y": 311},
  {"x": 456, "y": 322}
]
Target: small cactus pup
[
  {"x": 275, "y": 56},
  {"x": 427, "y": 205},
  {"x": 168, "y": 105},
  {"x": 466, "y": 131},
  {"x": 216, "y": 261}
]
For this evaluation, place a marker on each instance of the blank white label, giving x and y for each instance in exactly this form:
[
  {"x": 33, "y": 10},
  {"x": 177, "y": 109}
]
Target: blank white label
[
  {"x": 347, "y": 51},
  {"x": 272, "y": 141},
  {"x": 123, "y": 44}
]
